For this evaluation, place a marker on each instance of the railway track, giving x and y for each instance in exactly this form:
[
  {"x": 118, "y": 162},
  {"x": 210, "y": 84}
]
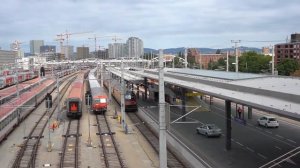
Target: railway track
[
  {"x": 172, "y": 160},
  {"x": 110, "y": 151},
  {"x": 26, "y": 156},
  {"x": 70, "y": 150}
]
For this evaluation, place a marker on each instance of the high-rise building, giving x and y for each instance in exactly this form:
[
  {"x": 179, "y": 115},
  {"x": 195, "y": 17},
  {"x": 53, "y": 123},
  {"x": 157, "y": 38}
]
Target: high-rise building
[
  {"x": 68, "y": 52},
  {"x": 295, "y": 37},
  {"x": 82, "y": 52},
  {"x": 48, "y": 48},
  {"x": 135, "y": 47},
  {"x": 35, "y": 46},
  {"x": 116, "y": 50},
  {"x": 288, "y": 50},
  {"x": 8, "y": 57}
]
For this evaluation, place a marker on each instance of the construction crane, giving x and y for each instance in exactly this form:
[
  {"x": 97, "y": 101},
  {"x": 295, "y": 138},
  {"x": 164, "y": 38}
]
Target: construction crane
[
  {"x": 115, "y": 38},
  {"x": 15, "y": 46},
  {"x": 97, "y": 37},
  {"x": 65, "y": 36}
]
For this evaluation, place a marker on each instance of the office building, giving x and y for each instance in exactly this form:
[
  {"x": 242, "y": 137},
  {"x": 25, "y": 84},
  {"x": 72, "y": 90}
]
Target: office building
[
  {"x": 48, "y": 48},
  {"x": 82, "y": 53},
  {"x": 8, "y": 57},
  {"x": 68, "y": 53},
  {"x": 116, "y": 50},
  {"x": 35, "y": 46}
]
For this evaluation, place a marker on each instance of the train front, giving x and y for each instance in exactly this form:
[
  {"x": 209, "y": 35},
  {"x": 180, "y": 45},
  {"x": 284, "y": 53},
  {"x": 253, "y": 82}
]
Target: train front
[
  {"x": 99, "y": 104},
  {"x": 74, "y": 107},
  {"x": 130, "y": 102}
]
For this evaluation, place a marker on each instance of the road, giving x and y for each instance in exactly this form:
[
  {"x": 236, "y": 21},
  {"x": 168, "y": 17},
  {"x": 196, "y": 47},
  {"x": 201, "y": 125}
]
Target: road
[{"x": 252, "y": 145}]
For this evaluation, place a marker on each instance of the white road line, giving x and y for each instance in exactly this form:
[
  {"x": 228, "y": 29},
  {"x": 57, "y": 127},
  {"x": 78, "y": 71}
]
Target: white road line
[
  {"x": 251, "y": 150},
  {"x": 277, "y": 147},
  {"x": 268, "y": 132},
  {"x": 264, "y": 157},
  {"x": 239, "y": 143},
  {"x": 279, "y": 136},
  {"x": 291, "y": 141}
]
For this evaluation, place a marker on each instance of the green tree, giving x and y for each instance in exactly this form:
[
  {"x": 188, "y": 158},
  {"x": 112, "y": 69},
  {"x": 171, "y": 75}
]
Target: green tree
[
  {"x": 287, "y": 66},
  {"x": 254, "y": 63}
]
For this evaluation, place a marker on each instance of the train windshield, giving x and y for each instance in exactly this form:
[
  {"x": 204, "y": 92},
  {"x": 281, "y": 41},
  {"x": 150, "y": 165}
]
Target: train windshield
[
  {"x": 129, "y": 96},
  {"x": 73, "y": 107},
  {"x": 101, "y": 100}
]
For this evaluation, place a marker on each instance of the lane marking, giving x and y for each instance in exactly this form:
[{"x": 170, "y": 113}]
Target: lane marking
[
  {"x": 279, "y": 136},
  {"x": 251, "y": 150},
  {"x": 268, "y": 132},
  {"x": 291, "y": 141},
  {"x": 264, "y": 157},
  {"x": 239, "y": 143},
  {"x": 278, "y": 147}
]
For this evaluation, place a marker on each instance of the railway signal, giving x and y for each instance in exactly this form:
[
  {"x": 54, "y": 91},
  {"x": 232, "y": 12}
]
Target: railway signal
[
  {"x": 48, "y": 99},
  {"x": 88, "y": 98},
  {"x": 42, "y": 72}
]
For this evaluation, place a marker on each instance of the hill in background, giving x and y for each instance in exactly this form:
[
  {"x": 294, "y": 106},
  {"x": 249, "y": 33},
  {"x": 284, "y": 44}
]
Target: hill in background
[{"x": 201, "y": 50}]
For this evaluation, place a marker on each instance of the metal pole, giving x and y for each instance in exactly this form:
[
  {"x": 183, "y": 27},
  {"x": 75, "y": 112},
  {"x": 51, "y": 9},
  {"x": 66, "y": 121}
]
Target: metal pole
[
  {"x": 185, "y": 57},
  {"x": 162, "y": 115},
  {"x": 89, "y": 142},
  {"x": 273, "y": 63},
  {"x": 49, "y": 138},
  {"x": 227, "y": 62},
  {"x": 236, "y": 55},
  {"x": 109, "y": 83},
  {"x": 122, "y": 95},
  {"x": 58, "y": 99},
  {"x": 101, "y": 73}
]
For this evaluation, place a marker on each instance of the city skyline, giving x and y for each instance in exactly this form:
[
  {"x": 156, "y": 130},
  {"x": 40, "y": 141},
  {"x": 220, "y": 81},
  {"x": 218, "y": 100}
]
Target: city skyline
[{"x": 167, "y": 24}]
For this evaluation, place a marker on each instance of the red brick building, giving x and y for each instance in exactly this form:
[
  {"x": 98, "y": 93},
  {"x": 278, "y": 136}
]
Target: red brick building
[{"x": 288, "y": 50}]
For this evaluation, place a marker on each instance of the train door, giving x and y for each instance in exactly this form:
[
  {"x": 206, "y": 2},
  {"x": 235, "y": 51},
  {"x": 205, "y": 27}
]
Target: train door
[{"x": 73, "y": 107}]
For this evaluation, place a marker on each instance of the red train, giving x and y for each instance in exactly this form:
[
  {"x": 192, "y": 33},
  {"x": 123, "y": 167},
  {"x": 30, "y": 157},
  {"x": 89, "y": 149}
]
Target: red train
[
  {"x": 74, "y": 99},
  {"x": 99, "y": 97},
  {"x": 129, "y": 96}
]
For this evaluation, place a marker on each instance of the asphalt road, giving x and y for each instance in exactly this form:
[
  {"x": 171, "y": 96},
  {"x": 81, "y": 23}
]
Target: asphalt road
[{"x": 252, "y": 145}]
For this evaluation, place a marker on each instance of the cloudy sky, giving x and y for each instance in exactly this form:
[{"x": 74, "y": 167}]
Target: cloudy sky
[{"x": 159, "y": 23}]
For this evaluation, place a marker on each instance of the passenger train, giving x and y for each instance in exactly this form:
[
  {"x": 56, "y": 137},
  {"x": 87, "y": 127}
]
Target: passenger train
[
  {"x": 8, "y": 121},
  {"x": 129, "y": 96},
  {"x": 99, "y": 97},
  {"x": 8, "y": 80},
  {"x": 74, "y": 99}
]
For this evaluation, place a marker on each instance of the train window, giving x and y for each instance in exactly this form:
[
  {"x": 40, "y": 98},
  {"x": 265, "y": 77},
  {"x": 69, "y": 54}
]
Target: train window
[
  {"x": 102, "y": 100},
  {"x": 128, "y": 96},
  {"x": 73, "y": 106}
]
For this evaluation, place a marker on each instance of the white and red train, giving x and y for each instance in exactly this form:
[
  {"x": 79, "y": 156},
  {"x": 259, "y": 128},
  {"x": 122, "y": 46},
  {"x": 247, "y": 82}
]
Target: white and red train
[
  {"x": 99, "y": 97},
  {"x": 74, "y": 99},
  {"x": 8, "y": 80}
]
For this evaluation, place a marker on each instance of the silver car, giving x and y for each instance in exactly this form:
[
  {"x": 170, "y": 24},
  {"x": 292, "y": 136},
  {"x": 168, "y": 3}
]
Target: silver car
[{"x": 209, "y": 130}]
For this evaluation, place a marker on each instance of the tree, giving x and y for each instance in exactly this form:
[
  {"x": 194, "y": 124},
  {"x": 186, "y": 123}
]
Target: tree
[
  {"x": 287, "y": 66},
  {"x": 254, "y": 63}
]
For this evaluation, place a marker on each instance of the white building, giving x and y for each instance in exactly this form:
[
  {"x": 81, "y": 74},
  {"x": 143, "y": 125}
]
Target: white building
[
  {"x": 68, "y": 52},
  {"x": 8, "y": 57},
  {"x": 135, "y": 47},
  {"x": 116, "y": 50},
  {"x": 35, "y": 46}
]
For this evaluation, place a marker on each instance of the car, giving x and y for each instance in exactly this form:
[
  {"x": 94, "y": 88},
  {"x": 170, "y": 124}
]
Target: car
[
  {"x": 268, "y": 121},
  {"x": 209, "y": 130}
]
